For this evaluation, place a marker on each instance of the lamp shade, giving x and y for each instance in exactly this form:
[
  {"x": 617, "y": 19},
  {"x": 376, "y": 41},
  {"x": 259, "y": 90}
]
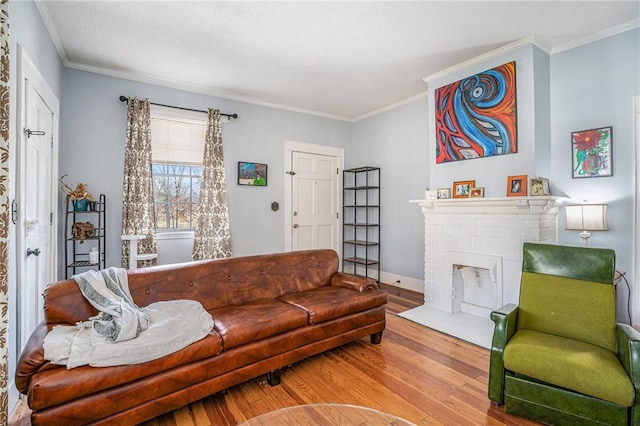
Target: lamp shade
[{"x": 587, "y": 217}]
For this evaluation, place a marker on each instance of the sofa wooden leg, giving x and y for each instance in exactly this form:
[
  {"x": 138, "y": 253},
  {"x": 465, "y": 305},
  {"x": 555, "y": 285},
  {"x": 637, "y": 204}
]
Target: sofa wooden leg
[
  {"x": 273, "y": 377},
  {"x": 376, "y": 338}
]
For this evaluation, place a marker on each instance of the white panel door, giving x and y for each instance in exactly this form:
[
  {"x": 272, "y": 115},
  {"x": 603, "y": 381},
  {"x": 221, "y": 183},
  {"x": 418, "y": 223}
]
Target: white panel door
[
  {"x": 36, "y": 226},
  {"x": 314, "y": 202}
]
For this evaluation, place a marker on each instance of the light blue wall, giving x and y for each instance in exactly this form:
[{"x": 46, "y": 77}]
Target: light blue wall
[
  {"x": 492, "y": 172},
  {"x": 28, "y": 30},
  {"x": 400, "y": 142},
  {"x": 396, "y": 141},
  {"x": 592, "y": 86},
  {"x": 93, "y": 134},
  {"x": 586, "y": 87}
]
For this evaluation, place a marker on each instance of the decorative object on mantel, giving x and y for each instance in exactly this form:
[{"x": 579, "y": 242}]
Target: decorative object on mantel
[
  {"x": 539, "y": 186},
  {"x": 253, "y": 174},
  {"x": 461, "y": 189},
  {"x": 477, "y": 116},
  {"x": 585, "y": 218},
  {"x": 444, "y": 193},
  {"x": 517, "y": 186},
  {"x": 430, "y": 195},
  {"x": 80, "y": 196},
  {"x": 592, "y": 150},
  {"x": 477, "y": 192}
]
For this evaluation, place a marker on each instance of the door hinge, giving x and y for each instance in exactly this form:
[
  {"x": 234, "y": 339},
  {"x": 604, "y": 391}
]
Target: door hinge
[
  {"x": 51, "y": 218},
  {"x": 337, "y": 171},
  {"x": 30, "y": 132},
  {"x": 14, "y": 211},
  {"x": 292, "y": 173},
  {"x": 337, "y": 215},
  {"x": 51, "y": 141}
]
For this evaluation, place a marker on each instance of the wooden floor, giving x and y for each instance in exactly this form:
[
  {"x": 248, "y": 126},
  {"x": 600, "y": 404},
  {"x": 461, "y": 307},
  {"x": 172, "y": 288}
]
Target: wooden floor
[{"x": 416, "y": 373}]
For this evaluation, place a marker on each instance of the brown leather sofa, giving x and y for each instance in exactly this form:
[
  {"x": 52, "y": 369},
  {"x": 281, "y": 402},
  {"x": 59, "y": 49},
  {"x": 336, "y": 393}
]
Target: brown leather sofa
[{"x": 269, "y": 311}]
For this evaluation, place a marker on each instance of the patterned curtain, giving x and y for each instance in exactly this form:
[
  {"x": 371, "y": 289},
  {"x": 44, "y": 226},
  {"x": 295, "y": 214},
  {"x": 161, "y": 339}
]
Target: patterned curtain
[
  {"x": 4, "y": 209},
  {"x": 138, "y": 214},
  {"x": 211, "y": 235}
]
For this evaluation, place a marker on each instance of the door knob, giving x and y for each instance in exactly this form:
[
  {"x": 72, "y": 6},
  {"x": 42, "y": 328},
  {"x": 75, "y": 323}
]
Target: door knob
[
  {"x": 35, "y": 252},
  {"x": 296, "y": 226}
]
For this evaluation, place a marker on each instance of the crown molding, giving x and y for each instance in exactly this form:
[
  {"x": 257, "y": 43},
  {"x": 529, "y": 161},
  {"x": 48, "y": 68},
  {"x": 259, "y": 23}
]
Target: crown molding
[
  {"x": 199, "y": 89},
  {"x": 529, "y": 40},
  {"x": 609, "y": 32},
  {"x": 150, "y": 79},
  {"x": 391, "y": 106}
]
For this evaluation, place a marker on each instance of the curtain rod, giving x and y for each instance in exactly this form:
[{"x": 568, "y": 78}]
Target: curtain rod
[{"x": 124, "y": 99}]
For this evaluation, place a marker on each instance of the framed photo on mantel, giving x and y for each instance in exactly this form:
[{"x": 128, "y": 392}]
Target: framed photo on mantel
[
  {"x": 539, "y": 186},
  {"x": 462, "y": 189},
  {"x": 517, "y": 186}
]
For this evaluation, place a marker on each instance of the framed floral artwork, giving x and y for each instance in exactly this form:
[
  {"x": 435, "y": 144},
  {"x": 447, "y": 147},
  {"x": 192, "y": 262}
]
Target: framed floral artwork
[
  {"x": 592, "y": 152},
  {"x": 462, "y": 189}
]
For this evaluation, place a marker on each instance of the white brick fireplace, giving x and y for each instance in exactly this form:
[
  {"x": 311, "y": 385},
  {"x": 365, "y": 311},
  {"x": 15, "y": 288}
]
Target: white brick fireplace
[{"x": 473, "y": 253}]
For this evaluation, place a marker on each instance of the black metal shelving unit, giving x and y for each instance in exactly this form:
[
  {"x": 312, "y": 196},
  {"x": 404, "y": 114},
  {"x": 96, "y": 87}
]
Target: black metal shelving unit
[
  {"x": 76, "y": 253},
  {"x": 361, "y": 221}
]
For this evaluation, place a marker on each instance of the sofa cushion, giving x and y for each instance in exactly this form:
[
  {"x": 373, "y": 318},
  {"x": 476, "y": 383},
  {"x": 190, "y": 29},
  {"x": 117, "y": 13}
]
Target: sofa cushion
[
  {"x": 326, "y": 303},
  {"x": 571, "y": 364},
  {"x": 251, "y": 321}
]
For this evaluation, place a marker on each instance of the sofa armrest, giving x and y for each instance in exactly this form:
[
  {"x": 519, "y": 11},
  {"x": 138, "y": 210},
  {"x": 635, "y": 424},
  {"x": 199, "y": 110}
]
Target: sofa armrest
[
  {"x": 628, "y": 351},
  {"x": 505, "y": 320},
  {"x": 32, "y": 358},
  {"x": 353, "y": 282}
]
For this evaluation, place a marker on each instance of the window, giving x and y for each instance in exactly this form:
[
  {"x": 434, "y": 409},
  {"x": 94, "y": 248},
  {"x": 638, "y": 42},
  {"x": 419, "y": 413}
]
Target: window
[
  {"x": 177, "y": 140},
  {"x": 177, "y": 148},
  {"x": 175, "y": 191}
]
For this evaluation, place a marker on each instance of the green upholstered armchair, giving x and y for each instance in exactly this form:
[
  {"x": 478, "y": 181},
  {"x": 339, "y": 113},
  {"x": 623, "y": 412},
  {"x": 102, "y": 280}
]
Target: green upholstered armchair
[{"x": 559, "y": 357}]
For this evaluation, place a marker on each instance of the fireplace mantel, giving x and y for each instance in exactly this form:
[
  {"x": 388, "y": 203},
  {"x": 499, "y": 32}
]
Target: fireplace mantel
[
  {"x": 459, "y": 230},
  {"x": 497, "y": 205}
]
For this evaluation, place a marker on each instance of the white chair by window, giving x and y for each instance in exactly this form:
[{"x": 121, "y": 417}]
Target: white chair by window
[{"x": 134, "y": 257}]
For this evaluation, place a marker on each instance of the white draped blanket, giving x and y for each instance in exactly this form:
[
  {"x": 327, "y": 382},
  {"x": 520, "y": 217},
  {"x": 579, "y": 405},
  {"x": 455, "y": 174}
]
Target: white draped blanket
[
  {"x": 110, "y": 339},
  {"x": 119, "y": 318}
]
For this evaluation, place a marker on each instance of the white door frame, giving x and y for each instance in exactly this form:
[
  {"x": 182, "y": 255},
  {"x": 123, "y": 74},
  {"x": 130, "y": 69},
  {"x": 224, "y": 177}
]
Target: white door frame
[
  {"x": 293, "y": 146},
  {"x": 635, "y": 276},
  {"x": 26, "y": 70}
]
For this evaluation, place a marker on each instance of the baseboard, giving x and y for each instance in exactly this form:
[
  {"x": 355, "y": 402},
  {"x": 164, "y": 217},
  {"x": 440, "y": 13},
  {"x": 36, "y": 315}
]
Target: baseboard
[{"x": 413, "y": 284}]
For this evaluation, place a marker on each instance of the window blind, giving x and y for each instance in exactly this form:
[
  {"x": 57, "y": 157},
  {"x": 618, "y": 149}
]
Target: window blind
[{"x": 178, "y": 136}]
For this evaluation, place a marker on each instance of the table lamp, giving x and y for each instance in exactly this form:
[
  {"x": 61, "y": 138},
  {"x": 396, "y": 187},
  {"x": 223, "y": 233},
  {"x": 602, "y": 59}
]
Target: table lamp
[{"x": 585, "y": 218}]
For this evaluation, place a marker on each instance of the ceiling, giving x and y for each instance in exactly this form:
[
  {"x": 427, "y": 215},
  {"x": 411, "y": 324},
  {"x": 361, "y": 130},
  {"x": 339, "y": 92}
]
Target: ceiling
[{"x": 342, "y": 60}]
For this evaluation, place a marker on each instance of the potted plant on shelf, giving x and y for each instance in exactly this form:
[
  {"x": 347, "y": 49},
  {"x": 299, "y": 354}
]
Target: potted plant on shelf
[{"x": 80, "y": 196}]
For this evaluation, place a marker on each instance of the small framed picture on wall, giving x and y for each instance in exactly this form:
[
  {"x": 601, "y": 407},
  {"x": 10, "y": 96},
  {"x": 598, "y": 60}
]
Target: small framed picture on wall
[{"x": 253, "y": 174}]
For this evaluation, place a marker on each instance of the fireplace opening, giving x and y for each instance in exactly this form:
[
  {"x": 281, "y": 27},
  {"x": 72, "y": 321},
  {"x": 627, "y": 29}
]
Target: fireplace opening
[
  {"x": 474, "y": 290},
  {"x": 476, "y": 283}
]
